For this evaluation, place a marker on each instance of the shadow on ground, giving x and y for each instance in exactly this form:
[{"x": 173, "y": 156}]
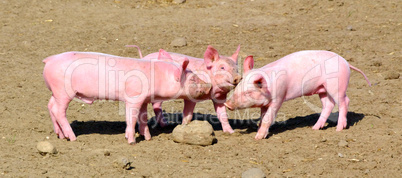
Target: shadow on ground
[
  {"x": 310, "y": 120},
  {"x": 173, "y": 119}
]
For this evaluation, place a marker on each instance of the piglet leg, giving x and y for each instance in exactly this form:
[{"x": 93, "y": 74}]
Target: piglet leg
[
  {"x": 132, "y": 114},
  {"x": 337, "y": 91},
  {"x": 267, "y": 119},
  {"x": 223, "y": 117},
  {"x": 188, "y": 111},
  {"x": 58, "y": 108},
  {"x": 343, "y": 111},
  {"x": 327, "y": 106},
  {"x": 56, "y": 126},
  {"x": 143, "y": 121},
  {"x": 159, "y": 114}
]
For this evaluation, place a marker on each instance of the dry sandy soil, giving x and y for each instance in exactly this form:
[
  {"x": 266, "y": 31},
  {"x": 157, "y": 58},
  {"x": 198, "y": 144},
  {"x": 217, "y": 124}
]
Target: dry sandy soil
[{"x": 366, "y": 33}]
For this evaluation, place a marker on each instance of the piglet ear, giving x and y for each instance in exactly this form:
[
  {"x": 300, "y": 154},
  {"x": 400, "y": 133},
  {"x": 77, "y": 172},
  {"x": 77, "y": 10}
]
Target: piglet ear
[
  {"x": 236, "y": 54},
  {"x": 164, "y": 55},
  {"x": 184, "y": 63},
  {"x": 248, "y": 64},
  {"x": 178, "y": 73},
  {"x": 211, "y": 55}
]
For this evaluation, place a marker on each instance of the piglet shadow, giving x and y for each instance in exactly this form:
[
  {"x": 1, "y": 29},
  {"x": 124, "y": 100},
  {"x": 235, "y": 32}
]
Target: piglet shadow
[
  {"x": 174, "y": 119},
  {"x": 310, "y": 120},
  {"x": 251, "y": 125},
  {"x": 100, "y": 127}
]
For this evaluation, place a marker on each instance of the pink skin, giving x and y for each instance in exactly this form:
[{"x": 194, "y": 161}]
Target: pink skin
[
  {"x": 220, "y": 71},
  {"x": 90, "y": 76},
  {"x": 299, "y": 74}
]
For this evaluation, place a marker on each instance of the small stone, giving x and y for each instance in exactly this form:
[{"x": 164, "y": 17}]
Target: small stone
[
  {"x": 179, "y": 1},
  {"x": 340, "y": 155},
  {"x": 343, "y": 143},
  {"x": 123, "y": 162},
  {"x": 106, "y": 153},
  {"x": 179, "y": 42},
  {"x": 194, "y": 133},
  {"x": 45, "y": 147},
  {"x": 323, "y": 140},
  {"x": 366, "y": 171},
  {"x": 253, "y": 173},
  {"x": 350, "y": 28},
  {"x": 389, "y": 75},
  {"x": 391, "y": 132}
]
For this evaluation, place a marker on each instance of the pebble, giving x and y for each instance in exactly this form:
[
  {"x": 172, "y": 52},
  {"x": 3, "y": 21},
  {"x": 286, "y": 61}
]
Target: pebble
[
  {"x": 391, "y": 132},
  {"x": 366, "y": 171},
  {"x": 340, "y": 155},
  {"x": 179, "y": 1},
  {"x": 343, "y": 143},
  {"x": 123, "y": 162},
  {"x": 389, "y": 75},
  {"x": 253, "y": 173},
  {"x": 45, "y": 147},
  {"x": 179, "y": 42},
  {"x": 350, "y": 28},
  {"x": 194, "y": 133}
]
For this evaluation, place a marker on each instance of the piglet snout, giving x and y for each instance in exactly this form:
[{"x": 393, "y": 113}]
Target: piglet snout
[
  {"x": 229, "y": 107},
  {"x": 237, "y": 80}
]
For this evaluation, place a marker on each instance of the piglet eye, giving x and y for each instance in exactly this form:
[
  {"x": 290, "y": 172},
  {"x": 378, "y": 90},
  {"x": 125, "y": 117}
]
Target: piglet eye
[{"x": 223, "y": 68}]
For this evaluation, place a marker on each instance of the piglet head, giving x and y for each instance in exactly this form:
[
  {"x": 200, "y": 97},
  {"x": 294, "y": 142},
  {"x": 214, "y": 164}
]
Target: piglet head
[
  {"x": 223, "y": 69},
  {"x": 252, "y": 91},
  {"x": 195, "y": 87}
]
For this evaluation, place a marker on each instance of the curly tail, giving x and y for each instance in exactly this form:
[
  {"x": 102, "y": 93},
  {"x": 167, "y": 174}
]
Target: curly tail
[
  {"x": 364, "y": 75},
  {"x": 139, "y": 50}
]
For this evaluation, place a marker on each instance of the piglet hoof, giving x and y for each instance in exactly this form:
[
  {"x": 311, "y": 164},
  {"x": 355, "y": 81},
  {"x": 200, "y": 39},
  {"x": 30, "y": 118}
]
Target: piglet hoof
[
  {"x": 340, "y": 127},
  {"x": 145, "y": 132},
  {"x": 60, "y": 136},
  {"x": 131, "y": 141},
  {"x": 228, "y": 130},
  {"x": 184, "y": 122},
  {"x": 260, "y": 136},
  {"x": 68, "y": 137},
  {"x": 147, "y": 136},
  {"x": 71, "y": 137},
  {"x": 317, "y": 127}
]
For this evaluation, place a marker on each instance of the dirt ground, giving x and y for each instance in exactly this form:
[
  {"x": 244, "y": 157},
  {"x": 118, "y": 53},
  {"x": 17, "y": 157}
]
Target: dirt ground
[{"x": 366, "y": 33}]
